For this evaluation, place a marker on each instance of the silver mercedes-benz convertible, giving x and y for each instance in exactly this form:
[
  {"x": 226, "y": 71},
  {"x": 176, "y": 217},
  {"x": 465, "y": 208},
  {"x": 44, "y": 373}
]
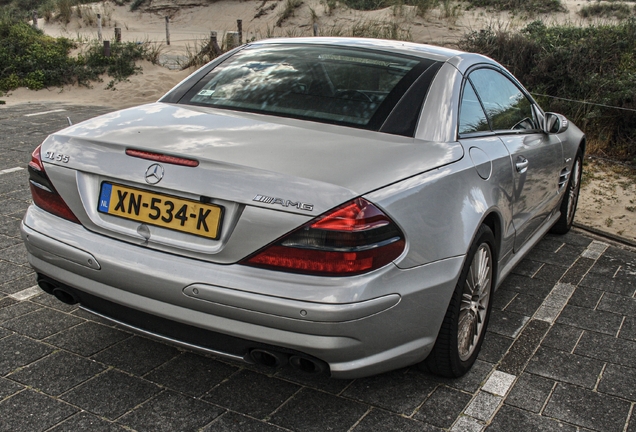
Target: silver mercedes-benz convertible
[{"x": 341, "y": 206}]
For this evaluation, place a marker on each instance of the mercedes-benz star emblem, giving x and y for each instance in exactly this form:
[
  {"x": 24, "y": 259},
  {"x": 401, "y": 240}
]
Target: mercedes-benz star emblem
[{"x": 154, "y": 174}]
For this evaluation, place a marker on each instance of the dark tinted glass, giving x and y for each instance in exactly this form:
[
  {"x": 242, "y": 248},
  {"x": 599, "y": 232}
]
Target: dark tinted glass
[
  {"x": 329, "y": 84},
  {"x": 506, "y": 106}
]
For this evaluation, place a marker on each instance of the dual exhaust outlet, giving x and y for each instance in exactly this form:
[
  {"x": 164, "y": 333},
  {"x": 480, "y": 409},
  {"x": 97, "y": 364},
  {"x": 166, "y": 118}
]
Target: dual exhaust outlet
[
  {"x": 265, "y": 357},
  {"x": 60, "y": 292},
  {"x": 275, "y": 359}
]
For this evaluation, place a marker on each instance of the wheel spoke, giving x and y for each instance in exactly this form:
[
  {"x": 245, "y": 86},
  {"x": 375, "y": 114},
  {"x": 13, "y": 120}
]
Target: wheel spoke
[
  {"x": 484, "y": 298},
  {"x": 485, "y": 283},
  {"x": 481, "y": 315},
  {"x": 471, "y": 281},
  {"x": 484, "y": 268},
  {"x": 466, "y": 301},
  {"x": 469, "y": 287},
  {"x": 577, "y": 174}
]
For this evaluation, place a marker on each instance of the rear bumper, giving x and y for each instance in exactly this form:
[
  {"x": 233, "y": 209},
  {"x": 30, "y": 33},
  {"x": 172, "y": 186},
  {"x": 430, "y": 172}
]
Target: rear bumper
[{"x": 359, "y": 325}]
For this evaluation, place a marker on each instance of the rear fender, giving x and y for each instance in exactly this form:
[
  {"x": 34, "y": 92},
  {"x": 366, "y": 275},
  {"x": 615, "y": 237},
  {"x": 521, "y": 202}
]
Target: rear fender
[{"x": 441, "y": 210}]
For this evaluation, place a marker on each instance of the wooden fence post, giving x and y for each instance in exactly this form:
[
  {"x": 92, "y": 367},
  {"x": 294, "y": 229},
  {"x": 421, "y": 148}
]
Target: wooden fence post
[
  {"x": 214, "y": 44},
  {"x": 117, "y": 34},
  {"x": 167, "y": 31},
  {"x": 106, "y": 48},
  {"x": 213, "y": 40},
  {"x": 239, "y": 25},
  {"x": 231, "y": 40},
  {"x": 35, "y": 19},
  {"x": 99, "y": 27}
]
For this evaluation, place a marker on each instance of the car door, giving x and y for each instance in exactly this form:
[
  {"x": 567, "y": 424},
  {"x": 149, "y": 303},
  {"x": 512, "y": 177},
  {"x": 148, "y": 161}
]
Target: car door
[
  {"x": 536, "y": 157},
  {"x": 490, "y": 158}
]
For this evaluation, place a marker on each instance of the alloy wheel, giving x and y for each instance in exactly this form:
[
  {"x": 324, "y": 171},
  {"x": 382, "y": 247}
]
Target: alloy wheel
[{"x": 474, "y": 302}]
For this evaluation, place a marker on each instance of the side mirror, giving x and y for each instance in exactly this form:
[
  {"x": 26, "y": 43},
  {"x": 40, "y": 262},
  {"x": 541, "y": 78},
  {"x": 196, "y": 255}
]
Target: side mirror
[{"x": 555, "y": 123}]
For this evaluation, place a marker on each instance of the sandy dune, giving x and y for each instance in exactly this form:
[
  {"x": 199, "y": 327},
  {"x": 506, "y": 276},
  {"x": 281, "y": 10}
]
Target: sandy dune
[{"x": 190, "y": 27}]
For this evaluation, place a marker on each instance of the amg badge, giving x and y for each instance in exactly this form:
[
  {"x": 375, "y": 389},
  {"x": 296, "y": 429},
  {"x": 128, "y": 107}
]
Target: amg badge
[{"x": 285, "y": 203}]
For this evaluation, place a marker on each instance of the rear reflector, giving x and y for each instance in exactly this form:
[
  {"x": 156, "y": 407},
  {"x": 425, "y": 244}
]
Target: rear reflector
[
  {"x": 158, "y": 157},
  {"x": 354, "y": 238}
]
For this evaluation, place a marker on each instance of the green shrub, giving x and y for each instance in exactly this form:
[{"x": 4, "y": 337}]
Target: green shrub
[
  {"x": 23, "y": 51},
  {"x": 47, "y": 10},
  {"x": 136, "y": 4},
  {"x": 25, "y": 7},
  {"x": 65, "y": 10},
  {"x": 34, "y": 80},
  {"x": 28, "y": 5},
  {"x": 31, "y": 59},
  {"x": 10, "y": 82},
  {"x": 367, "y": 4},
  {"x": 423, "y": 7},
  {"x": 595, "y": 64},
  {"x": 121, "y": 63},
  {"x": 531, "y": 6},
  {"x": 606, "y": 10}
]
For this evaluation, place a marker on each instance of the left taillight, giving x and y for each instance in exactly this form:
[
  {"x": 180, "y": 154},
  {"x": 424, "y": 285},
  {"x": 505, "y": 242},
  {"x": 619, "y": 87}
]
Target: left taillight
[
  {"x": 352, "y": 239},
  {"x": 44, "y": 194}
]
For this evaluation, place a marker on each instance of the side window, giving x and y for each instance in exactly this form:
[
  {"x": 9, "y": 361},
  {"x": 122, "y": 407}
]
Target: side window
[
  {"x": 471, "y": 114},
  {"x": 506, "y": 106}
]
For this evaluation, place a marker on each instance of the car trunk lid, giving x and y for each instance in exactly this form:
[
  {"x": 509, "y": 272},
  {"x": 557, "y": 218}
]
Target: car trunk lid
[{"x": 248, "y": 164}]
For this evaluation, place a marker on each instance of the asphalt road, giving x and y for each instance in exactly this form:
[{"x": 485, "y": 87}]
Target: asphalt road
[{"x": 560, "y": 353}]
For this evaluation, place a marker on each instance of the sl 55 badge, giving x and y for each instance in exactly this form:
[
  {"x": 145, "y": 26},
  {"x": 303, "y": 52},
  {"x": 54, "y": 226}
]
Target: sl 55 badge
[
  {"x": 57, "y": 157},
  {"x": 285, "y": 203}
]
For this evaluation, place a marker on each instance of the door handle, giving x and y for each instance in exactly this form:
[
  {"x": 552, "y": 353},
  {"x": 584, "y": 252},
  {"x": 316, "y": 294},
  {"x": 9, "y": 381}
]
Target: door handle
[{"x": 521, "y": 164}]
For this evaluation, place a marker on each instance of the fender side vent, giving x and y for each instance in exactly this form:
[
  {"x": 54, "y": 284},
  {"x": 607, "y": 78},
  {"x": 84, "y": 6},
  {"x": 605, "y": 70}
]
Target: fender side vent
[{"x": 563, "y": 178}]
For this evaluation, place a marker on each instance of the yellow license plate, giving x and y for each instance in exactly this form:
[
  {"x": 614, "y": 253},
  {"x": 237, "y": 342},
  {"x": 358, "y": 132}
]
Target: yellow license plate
[{"x": 165, "y": 211}]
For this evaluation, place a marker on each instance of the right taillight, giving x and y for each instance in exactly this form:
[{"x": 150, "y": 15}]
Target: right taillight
[
  {"x": 44, "y": 194},
  {"x": 354, "y": 238}
]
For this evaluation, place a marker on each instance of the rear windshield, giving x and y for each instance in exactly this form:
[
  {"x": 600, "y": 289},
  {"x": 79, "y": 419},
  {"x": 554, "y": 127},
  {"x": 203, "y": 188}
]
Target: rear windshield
[{"x": 322, "y": 83}]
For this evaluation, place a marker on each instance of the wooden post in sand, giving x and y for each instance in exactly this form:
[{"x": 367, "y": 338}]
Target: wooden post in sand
[
  {"x": 99, "y": 27},
  {"x": 315, "y": 29},
  {"x": 239, "y": 26},
  {"x": 167, "y": 31},
  {"x": 231, "y": 40},
  {"x": 214, "y": 43},
  {"x": 117, "y": 34},
  {"x": 106, "y": 48},
  {"x": 35, "y": 19}
]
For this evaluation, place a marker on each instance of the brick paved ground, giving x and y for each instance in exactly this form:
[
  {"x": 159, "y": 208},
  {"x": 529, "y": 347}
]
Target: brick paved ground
[{"x": 560, "y": 353}]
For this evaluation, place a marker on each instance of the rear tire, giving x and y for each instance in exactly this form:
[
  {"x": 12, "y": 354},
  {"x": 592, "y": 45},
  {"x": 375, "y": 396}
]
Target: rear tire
[
  {"x": 464, "y": 326},
  {"x": 571, "y": 198}
]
